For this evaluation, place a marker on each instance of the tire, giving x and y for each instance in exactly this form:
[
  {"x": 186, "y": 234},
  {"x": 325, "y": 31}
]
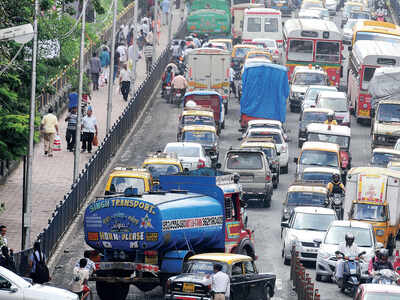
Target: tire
[
  {"x": 285, "y": 170},
  {"x": 112, "y": 291},
  {"x": 286, "y": 261},
  {"x": 223, "y": 125},
  {"x": 318, "y": 277},
  {"x": 267, "y": 296},
  {"x": 267, "y": 201},
  {"x": 275, "y": 184},
  {"x": 291, "y": 108}
]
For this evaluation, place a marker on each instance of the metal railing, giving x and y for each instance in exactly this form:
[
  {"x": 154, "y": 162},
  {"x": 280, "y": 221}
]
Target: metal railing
[
  {"x": 67, "y": 209},
  {"x": 302, "y": 282}
]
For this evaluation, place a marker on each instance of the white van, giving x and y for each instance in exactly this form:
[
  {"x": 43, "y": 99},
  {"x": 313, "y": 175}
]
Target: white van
[{"x": 262, "y": 23}]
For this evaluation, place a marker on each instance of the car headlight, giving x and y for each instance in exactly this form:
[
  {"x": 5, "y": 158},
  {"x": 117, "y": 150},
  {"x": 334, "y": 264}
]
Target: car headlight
[
  {"x": 380, "y": 138},
  {"x": 380, "y": 232},
  {"x": 286, "y": 213},
  {"x": 323, "y": 254}
]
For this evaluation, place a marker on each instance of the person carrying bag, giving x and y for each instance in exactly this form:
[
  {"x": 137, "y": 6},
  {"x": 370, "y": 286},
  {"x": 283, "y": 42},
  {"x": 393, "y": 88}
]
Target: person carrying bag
[{"x": 39, "y": 271}]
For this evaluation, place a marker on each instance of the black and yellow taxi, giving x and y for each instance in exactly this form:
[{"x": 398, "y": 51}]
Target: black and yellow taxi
[
  {"x": 195, "y": 280},
  {"x": 161, "y": 163},
  {"x": 122, "y": 178},
  {"x": 196, "y": 115}
]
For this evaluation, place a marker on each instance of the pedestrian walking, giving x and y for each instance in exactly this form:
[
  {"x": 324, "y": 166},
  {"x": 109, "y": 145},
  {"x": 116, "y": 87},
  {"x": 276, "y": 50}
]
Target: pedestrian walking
[
  {"x": 125, "y": 82},
  {"x": 123, "y": 53},
  {"x": 120, "y": 38},
  {"x": 89, "y": 130},
  {"x": 95, "y": 69},
  {"x": 37, "y": 262},
  {"x": 129, "y": 37},
  {"x": 145, "y": 27},
  {"x": 220, "y": 284},
  {"x": 80, "y": 280},
  {"x": 105, "y": 63},
  {"x": 70, "y": 135},
  {"x": 148, "y": 54},
  {"x": 49, "y": 127},
  {"x": 7, "y": 260},
  {"x": 165, "y": 11},
  {"x": 3, "y": 238},
  {"x": 149, "y": 38}
]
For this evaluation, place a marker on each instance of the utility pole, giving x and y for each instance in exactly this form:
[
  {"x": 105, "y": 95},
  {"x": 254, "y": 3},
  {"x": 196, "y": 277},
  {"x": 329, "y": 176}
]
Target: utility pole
[
  {"x": 27, "y": 199},
  {"x": 111, "y": 77},
  {"x": 155, "y": 32},
  {"x": 135, "y": 45},
  {"x": 170, "y": 17},
  {"x": 79, "y": 110}
]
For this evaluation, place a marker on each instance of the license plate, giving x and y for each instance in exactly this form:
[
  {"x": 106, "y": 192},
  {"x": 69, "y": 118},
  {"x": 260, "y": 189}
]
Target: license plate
[
  {"x": 363, "y": 112},
  {"x": 246, "y": 178},
  {"x": 312, "y": 250},
  {"x": 188, "y": 287}
]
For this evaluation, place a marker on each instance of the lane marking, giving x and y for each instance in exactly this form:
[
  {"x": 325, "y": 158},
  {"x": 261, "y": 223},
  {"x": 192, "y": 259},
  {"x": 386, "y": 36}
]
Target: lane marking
[{"x": 278, "y": 284}]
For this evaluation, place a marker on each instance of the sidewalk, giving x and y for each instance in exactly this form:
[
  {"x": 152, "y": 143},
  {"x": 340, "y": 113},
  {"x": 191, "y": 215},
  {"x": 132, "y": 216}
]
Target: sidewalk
[{"x": 52, "y": 176}]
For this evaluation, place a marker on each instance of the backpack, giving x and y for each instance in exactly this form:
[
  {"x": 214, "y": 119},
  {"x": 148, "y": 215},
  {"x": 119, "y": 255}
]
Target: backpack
[{"x": 41, "y": 274}]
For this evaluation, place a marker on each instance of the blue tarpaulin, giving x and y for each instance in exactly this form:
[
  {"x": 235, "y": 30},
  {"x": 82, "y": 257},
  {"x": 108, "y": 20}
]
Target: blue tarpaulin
[{"x": 265, "y": 90}]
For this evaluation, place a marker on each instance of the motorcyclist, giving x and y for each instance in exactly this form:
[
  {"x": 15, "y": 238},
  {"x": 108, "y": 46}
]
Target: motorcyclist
[
  {"x": 232, "y": 80},
  {"x": 176, "y": 50},
  {"x": 330, "y": 120},
  {"x": 179, "y": 83},
  {"x": 380, "y": 262},
  {"x": 174, "y": 67},
  {"x": 350, "y": 249},
  {"x": 167, "y": 78},
  {"x": 335, "y": 186}
]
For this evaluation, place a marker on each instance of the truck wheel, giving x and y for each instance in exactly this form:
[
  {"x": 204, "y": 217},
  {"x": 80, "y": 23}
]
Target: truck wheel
[{"x": 112, "y": 291}]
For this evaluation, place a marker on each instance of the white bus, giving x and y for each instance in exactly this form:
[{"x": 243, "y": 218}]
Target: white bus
[
  {"x": 263, "y": 23},
  {"x": 237, "y": 12},
  {"x": 365, "y": 57}
]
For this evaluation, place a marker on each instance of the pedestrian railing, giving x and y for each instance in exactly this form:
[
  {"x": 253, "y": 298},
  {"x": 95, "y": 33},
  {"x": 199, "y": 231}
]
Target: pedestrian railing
[
  {"x": 67, "y": 209},
  {"x": 302, "y": 282}
]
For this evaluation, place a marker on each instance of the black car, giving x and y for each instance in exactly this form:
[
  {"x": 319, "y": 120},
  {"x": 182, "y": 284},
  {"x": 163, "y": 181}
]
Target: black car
[{"x": 245, "y": 281}]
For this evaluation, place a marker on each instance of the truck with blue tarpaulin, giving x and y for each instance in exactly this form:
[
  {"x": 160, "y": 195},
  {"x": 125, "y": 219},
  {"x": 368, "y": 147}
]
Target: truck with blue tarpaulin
[
  {"x": 265, "y": 89},
  {"x": 145, "y": 239}
]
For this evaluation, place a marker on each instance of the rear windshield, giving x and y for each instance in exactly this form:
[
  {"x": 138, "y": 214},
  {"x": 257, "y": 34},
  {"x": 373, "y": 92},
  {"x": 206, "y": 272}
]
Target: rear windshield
[
  {"x": 162, "y": 169},
  {"x": 342, "y": 141},
  {"x": 381, "y": 296},
  {"x": 310, "y": 79},
  {"x": 201, "y": 137},
  {"x": 274, "y": 135},
  {"x": 197, "y": 120},
  {"x": 184, "y": 151},
  {"x": 317, "y": 117},
  {"x": 317, "y": 176},
  {"x": 120, "y": 184},
  {"x": 244, "y": 161},
  {"x": 306, "y": 199},
  {"x": 335, "y": 235},
  {"x": 382, "y": 159},
  {"x": 339, "y": 105}
]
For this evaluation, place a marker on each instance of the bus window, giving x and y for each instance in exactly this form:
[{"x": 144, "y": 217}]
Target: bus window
[
  {"x": 368, "y": 73},
  {"x": 300, "y": 50},
  {"x": 270, "y": 25},
  {"x": 327, "y": 52},
  {"x": 254, "y": 24}
]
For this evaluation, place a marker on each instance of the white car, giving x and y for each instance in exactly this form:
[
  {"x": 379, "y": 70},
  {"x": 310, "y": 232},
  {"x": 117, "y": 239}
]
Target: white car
[
  {"x": 14, "y": 287},
  {"x": 312, "y": 93},
  {"x": 337, "y": 101},
  {"x": 280, "y": 142},
  {"x": 273, "y": 48},
  {"x": 304, "y": 225},
  {"x": 191, "y": 155},
  {"x": 364, "y": 238}
]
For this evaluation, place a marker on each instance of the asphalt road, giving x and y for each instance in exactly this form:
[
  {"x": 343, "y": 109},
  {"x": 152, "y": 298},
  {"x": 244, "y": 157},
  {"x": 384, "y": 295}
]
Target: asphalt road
[{"x": 159, "y": 128}]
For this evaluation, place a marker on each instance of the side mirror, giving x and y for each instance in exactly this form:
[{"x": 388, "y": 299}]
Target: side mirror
[
  {"x": 285, "y": 224},
  {"x": 317, "y": 242},
  {"x": 296, "y": 160},
  {"x": 13, "y": 289},
  {"x": 378, "y": 245}
]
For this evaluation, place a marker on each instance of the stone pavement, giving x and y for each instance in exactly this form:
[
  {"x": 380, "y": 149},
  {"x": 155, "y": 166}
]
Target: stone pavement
[{"x": 52, "y": 176}]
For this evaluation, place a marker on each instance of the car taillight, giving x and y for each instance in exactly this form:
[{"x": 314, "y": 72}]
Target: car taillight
[
  {"x": 276, "y": 52},
  {"x": 283, "y": 148},
  {"x": 201, "y": 164},
  {"x": 268, "y": 178}
]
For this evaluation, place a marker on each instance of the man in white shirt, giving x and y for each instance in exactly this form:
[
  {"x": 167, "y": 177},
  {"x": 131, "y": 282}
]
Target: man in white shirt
[
  {"x": 125, "y": 82},
  {"x": 220, "y": 284},
  {"x": 89, "y": 129},
  {"x": 123, "y": 53},
  {"x": 80, "y": 280},
  {"x": 349, "y": 249}
]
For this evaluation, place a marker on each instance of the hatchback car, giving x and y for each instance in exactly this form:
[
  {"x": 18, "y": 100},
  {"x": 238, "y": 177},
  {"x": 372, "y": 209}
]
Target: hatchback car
[
  {"x": 304, "y": 225},
  {"x": 191, "y": 155},
  {"x": 337, "y": 101},
  {"x": 255, "y": 175},
  {"x": 302, "y": 78},
  {"x": 280, "y": 142},
  {"x": 14, "y": 287},
  {"x": 364, "y": 238}
]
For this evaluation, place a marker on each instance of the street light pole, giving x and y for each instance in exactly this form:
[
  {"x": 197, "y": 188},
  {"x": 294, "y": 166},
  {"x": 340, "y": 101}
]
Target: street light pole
[
  {"x": 135, "y": 45},
  {"x": 155, "y": 32},
  {"x": 27, "y": 199},
  {"x": 111, "y": 80},
  {"x": 79, "y": 110},
  {"x": 170, "y": 17}
]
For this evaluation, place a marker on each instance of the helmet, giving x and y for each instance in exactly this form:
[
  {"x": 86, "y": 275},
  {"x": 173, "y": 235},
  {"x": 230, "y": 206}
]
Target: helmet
[
  {"x": 349, "y": 237},
  {"x": 191, "y": 103},
  {"x": 336, "y": 178},
  {"x": 383, "y": 254}
]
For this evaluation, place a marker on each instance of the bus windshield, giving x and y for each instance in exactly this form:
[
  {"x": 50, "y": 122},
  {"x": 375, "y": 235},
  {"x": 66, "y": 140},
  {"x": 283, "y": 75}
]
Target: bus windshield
[
  {"x": 327, "y": 52},
  {"x": 376, "y": 36},
  {"x": 367, "y": 76},
  {"x": 301, "y": 50}
]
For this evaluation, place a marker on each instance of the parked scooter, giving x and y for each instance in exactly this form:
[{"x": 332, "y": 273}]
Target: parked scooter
[{"x": 351, "y": 273}]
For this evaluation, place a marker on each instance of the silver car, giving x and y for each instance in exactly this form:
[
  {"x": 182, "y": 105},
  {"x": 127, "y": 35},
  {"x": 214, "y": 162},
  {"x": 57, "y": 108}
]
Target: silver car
[
  {"x": 305, "y": 224},
  {"x": 364, "y": 238}
]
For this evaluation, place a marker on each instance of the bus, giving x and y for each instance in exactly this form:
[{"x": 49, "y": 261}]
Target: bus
[
  {"x": 378, "y": 31},
  {"x": 263, "y": 23},
  {"x": 210, "y": 17},
  {"x": 314, "y": 42},
  {"x": 365, "y": 57},
  {"x": 237, "y": 12}
]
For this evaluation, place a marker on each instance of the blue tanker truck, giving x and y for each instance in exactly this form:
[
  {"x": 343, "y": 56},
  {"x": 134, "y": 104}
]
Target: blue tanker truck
[{"x": 145, "y": 239}]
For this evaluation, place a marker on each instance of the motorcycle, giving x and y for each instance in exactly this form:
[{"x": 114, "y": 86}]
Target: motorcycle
[
  {"x": 386, "y": 276},
  {"x": 176, "y": 97},
  {"x": 167, "y": 92},
  {"x": 337, "y": 204},
  {"x": 351, "y": 273}
]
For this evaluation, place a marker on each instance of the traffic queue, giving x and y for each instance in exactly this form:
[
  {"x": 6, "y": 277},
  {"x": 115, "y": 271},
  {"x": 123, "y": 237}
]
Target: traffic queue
[{"x": 178, "y": 217}]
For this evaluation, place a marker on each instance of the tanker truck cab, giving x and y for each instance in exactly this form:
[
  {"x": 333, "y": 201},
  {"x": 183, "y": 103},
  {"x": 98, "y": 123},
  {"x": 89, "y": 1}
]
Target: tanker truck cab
[
  {"x": 122, "y": 178},
  {"x": 373, "y": 196}
]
